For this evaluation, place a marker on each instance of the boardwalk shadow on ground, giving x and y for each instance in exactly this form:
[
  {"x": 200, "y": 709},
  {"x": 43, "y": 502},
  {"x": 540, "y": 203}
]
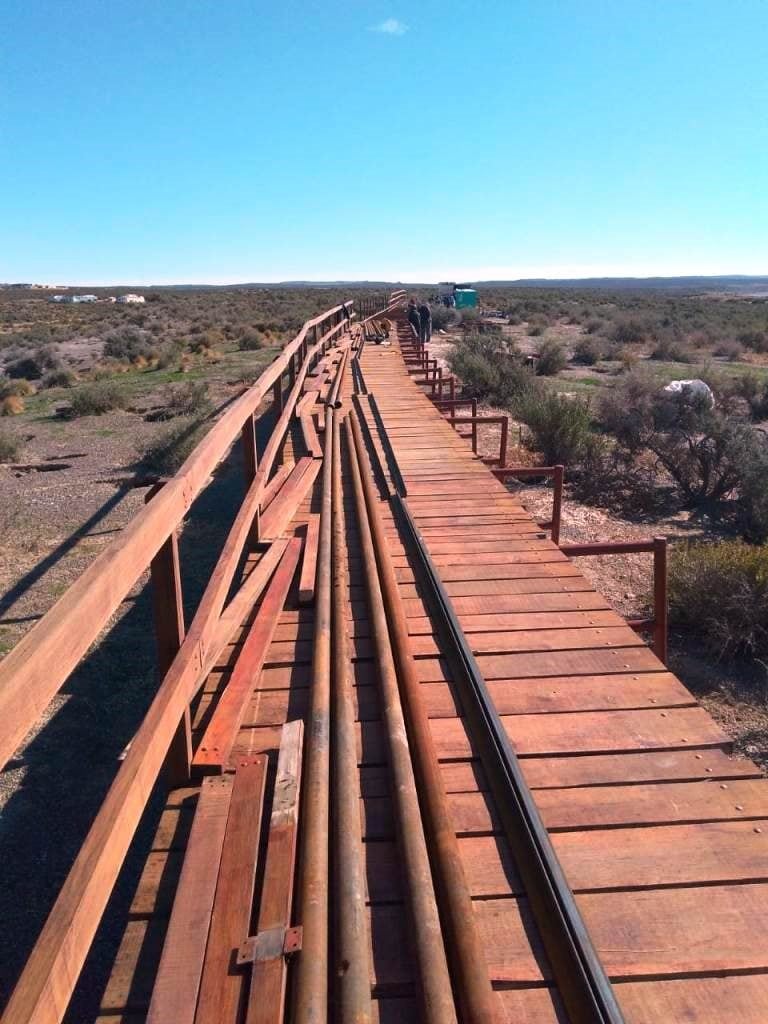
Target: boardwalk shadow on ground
[{"x": 67, "y": 768}]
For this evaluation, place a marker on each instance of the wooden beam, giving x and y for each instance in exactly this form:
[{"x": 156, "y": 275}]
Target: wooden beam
[
  {"x": 266, "y": 1000},
  {"x": 222, "y": 983},
  {"x": 221, "y": 733},
  {"x": 174, "y": 996},
  {"x": 309, "y": 562},
  {"x": 168, "y": 612},
  {"x": 277, "y": 519}
]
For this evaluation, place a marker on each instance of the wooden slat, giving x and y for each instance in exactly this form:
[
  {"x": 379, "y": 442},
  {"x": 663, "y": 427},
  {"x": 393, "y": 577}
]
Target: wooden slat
[
  {"x": 222, "y": 983},
  {"x": 216, "y": 745},
  {"x": 174, "y": 997},
  {"x": 266, "y": 1000},
  {"x": 309, "y": 561},
  {"x": 282, "y": 510}
]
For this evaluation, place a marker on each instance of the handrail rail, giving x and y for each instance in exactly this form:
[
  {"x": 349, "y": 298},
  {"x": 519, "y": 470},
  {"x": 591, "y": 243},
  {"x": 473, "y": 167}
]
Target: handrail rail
[
  {"x": 36, "y": 669},
  {"x": 43, "y": 991}
]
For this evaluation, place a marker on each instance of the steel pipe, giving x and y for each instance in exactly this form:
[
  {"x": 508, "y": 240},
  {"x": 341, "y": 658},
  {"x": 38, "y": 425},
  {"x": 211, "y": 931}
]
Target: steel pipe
[
  {"x": 432, "y": 967},
  {"x": 311, "y": 990},
  {"x": 470, "y": 968},
  {"x": 351, "y": 950}
]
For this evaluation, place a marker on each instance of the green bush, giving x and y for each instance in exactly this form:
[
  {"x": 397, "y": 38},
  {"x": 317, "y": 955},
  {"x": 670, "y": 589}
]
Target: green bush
[
  {"x": 559, "y": 426},
  {"x": 9, "y": 447},
  {"x": 129, "y": 344},
  {"x": 587, "y": 351},
  {"x": 97, "y": 398},
  {"x": 189, "y": 399},
  {"x": 628, "y": 332},
  {"x": 552, "y": 358},
  {"x": 32, "y": 367},
  {"x": 489, "y": 368},
  {"x": 442, "y": 316},
  {"x": 756, "y": 340},
  {"x": 251, "y": 341},
  {"x": 671, "y": 349},
  {"x": 165, "y": 453},
  {"x": 59, "y": 379},
  {"x": 720, "y": 593}
]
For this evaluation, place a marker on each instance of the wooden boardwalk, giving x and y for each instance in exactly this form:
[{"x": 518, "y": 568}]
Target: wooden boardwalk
[{"x": 661, "y": 834}]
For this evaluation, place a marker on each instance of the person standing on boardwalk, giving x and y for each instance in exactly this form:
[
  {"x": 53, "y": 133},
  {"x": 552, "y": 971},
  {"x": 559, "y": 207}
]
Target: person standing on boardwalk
[
  {"x": 413, "y": 317},
  {"x": 425, "y": 323}
]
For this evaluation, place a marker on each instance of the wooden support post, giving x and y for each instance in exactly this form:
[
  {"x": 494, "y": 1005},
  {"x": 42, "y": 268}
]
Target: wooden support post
[
  {"x": 250, "y": 456},
  {"x": 474, "y": 425},
  {"x": 452, "y": 382},
  {"x": 660, "y": 603},
  {"x": 168, "y": 615},
  {"x": 557, "y": 502},
  {"x": 503, "y": 441},
  {"x": 277, "y": 395}
]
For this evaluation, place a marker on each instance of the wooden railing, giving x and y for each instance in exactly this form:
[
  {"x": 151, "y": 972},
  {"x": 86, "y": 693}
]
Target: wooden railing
[{"x": 37, "y": 668}]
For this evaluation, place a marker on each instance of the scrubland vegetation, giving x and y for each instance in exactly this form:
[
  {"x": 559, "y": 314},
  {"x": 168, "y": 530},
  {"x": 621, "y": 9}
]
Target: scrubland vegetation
[{"x": 584, "y": 374}]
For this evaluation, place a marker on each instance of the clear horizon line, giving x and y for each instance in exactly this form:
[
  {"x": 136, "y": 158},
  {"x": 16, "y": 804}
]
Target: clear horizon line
[{"x": 411, "y": 278}]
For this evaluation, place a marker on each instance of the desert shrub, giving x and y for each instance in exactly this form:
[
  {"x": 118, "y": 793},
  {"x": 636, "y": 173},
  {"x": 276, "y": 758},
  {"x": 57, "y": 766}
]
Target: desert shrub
[
  {"x": 59, "y": 379},
  {"x": 756, "y": 340},
  {"x": 165, "y": 453},
  {"x": 19, "y": 388},
  {"x": 489, "y": 368},
  {"x": 12, "y": 405},
  {"x": 552, "y": 358},
  {"x": 442, "y": 317},
  {"x": 729, "y": 349},
  {"x": 704, "y": 450},
  {"x": 188, "y": 399},
  {"x": 720, "y": 592},
  {"x": 31, "y": 367},
  {"x": 628, "y": 332},
  {"x": 587, "y": 351},
  {"x": 594, "y": 326},
  {"x": 559, "y": 427},
  {"x": 671, "y": 349},
  {"x": 753, "y": 390},
  {"x": 535, "y": 330},
  {"x": 9, "y": 447},
  {"x": 752, "y": 501},
  {"x": 251, "y": 341},
  {"x": 130, "y": 344},
  {"x": 97, "y": 398}
]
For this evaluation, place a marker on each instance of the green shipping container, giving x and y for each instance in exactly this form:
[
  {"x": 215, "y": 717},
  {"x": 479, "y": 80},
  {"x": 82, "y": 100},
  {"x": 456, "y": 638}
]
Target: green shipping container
[{"x": 465, "y": 297}]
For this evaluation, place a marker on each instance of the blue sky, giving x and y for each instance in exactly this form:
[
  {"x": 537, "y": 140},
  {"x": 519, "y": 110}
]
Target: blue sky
[{"x": 174, "y": 141}]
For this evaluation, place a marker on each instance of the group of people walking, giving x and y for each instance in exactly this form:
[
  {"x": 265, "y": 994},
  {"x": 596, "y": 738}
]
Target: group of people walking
[{"x": 420, "y": 319}]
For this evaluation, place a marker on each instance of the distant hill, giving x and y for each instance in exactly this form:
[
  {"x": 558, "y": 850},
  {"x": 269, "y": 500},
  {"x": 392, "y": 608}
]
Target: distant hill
[
  {"x": 725, "y": 283},
  {"x": 733, "y": 283}
]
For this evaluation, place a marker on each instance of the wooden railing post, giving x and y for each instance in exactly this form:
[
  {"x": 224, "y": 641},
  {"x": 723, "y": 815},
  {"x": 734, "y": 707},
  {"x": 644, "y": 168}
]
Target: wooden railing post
[
  {"x": 250, "y": 457},
  {"x": 660, "y": 601},
  {"x": 168, "y": 615},
  {"x": 557, "y": 502},
  {"x": 503, "y": 442}
]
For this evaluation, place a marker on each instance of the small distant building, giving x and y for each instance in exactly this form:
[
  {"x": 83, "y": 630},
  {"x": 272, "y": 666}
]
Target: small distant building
[
  {"x": 60, "y": 298},
  {"x": 84, "y": 298},
  {"x": 131, "y": 298}
]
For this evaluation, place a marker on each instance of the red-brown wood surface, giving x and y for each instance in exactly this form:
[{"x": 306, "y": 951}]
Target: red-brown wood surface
[
  {"x": 222, "y": 987},
  {"x": 216, "y": 745}
]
